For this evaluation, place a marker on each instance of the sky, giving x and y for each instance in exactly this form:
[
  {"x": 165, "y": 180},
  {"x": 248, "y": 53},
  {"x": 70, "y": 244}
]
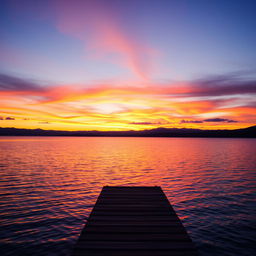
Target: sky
[{"x": 127, "y": 65}]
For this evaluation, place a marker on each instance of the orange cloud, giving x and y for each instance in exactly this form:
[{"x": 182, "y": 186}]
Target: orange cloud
[{"x": 106, "y": 106}]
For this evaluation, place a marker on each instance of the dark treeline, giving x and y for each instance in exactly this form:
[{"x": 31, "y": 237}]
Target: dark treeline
[{"x": 249, "y": 132}]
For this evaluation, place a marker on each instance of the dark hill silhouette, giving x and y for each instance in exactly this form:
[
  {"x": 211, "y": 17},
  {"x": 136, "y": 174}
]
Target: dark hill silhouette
[{"x": 249, "y": 132}]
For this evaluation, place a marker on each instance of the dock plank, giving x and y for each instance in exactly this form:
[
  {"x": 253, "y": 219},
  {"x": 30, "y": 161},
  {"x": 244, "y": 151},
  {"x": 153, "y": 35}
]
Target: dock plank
[
  {"x": 133, "y": 221},
  {"x": 135, "y": 237},
  {"x": 133, "y": 218},
  {"x": 98, "y": 252},
  {"x": 160, "y": 245}
]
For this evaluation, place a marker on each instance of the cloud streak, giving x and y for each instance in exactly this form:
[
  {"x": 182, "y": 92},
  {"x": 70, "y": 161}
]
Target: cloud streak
[
  {"x": 7, "y": 118},
  {"x": 16, "y": 84},
  {"x": 191, "y": 121},
  {"x": 219, "y": 120},
  {"x": 97, "y": 26},
  {"x": 124, "y": 107},
  {"x": 223, "y": 86}
]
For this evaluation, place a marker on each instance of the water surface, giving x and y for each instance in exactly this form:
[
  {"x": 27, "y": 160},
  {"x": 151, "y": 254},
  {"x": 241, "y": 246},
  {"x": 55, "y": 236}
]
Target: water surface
[{"x": 49, "y": 185}]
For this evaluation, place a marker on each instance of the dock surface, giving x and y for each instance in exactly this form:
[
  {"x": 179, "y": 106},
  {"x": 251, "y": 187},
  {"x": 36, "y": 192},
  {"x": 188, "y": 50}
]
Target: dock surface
[{"x": 134, "y": 221}]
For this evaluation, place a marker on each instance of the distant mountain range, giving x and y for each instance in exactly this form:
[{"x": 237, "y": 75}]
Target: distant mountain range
[{"x": 249, "y": 132}]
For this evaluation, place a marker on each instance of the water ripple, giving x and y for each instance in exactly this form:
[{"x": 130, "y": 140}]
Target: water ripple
[{"x": 48, "y": 187}]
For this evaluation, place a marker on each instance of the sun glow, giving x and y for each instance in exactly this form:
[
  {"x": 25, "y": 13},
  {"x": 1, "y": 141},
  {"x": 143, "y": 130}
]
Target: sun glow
[{"x": 109, "y": 107}]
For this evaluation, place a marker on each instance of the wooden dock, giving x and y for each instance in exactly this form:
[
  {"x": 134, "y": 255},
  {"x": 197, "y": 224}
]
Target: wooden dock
[{"x": 134, "y": 221}]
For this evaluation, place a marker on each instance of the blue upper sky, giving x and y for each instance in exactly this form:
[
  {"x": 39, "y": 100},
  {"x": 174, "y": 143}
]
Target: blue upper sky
[{"x": 80, "y": 41}]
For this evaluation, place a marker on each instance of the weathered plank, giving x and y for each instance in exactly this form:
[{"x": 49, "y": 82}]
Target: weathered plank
[
  {"x": 160, "y": 245},
  {"x": 134, "y": 217},
  {"x": 90, "y": 236},
  {"x": 136, "y": 229},
  {"x": 116, "y": 252},
  {"x": 133, "y": 221}
]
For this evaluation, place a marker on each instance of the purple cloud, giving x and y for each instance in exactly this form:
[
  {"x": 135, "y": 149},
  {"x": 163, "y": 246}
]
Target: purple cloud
[
  {"x": 223, "y": 85},
  {"x": 220, "y": 120},
  {"x": 207, "y": 120},
  {"x": 191, "y": 122},
  {"x": 43, "y": 122},
  {"x": 146, "y": 123},
  {"x": 12, "y": 83}
]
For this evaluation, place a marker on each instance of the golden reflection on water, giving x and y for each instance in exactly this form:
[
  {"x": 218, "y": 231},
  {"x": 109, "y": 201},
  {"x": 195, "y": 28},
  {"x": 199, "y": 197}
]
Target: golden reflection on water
[
  {"x": 59, "y": 178},
  {"x": 90, "y": 163}
]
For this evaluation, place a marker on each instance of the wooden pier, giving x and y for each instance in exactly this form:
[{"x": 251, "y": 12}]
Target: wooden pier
[{"x": 133, "y": 221}]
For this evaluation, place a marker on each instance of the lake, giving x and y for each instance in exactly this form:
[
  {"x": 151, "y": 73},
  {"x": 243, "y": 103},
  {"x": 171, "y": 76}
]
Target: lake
[{"x": 49, "y": 185}]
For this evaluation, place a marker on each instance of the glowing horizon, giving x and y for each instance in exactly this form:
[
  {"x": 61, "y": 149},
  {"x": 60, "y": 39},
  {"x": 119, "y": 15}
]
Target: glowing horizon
[{"x": 92, "y": 65}]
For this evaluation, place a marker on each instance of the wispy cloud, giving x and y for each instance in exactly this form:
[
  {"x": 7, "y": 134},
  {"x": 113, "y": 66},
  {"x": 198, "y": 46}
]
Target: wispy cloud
[
  {"x": 96, "y": 25},
  {"x": 223, "y": 85},
  {"x": 7, "y": 118},
  {"x": 219, "y": 120},
  {"x": 212, "y": 120},
  {"x": 150, "y": 123},
  {"x": 16, "y": 84},
  {"x": 191, "y": 121}
]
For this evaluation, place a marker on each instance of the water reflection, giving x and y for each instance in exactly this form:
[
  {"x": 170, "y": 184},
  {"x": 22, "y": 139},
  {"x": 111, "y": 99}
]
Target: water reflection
[{"x": 48, "y": 186}]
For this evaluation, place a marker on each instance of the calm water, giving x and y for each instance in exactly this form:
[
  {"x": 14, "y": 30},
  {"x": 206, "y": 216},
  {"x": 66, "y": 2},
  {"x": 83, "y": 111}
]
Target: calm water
[{"x": 49, "y": 185}]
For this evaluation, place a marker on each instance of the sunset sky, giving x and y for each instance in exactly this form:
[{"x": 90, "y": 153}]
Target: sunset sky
[{"x": 127, "y": 65}]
